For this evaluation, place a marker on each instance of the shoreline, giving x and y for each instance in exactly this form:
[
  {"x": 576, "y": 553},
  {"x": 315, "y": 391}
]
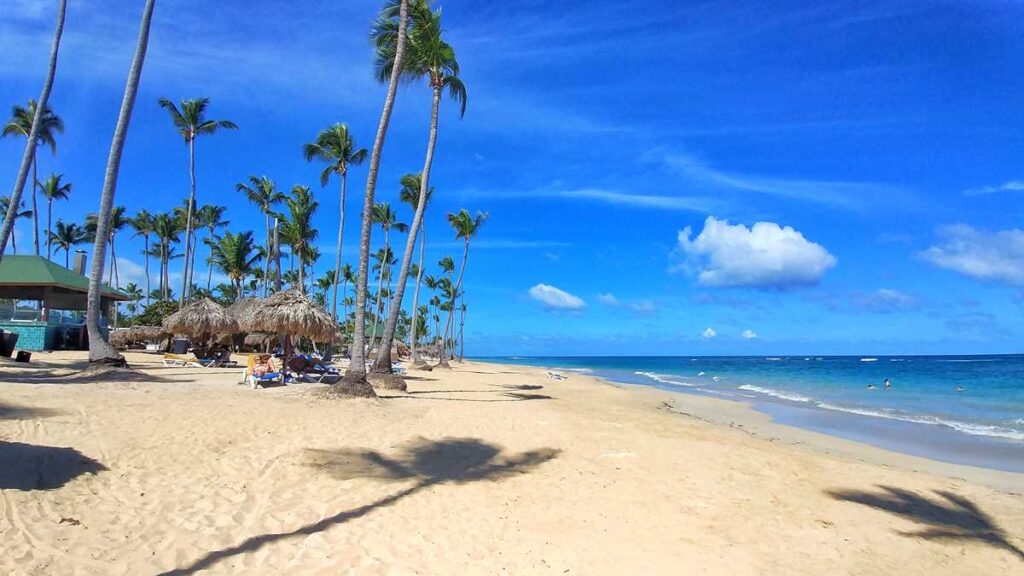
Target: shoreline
[{"x": 747, "y": 416}]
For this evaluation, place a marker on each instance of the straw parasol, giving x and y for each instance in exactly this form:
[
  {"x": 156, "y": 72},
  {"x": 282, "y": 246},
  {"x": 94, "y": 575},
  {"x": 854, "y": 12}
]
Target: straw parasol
[
  {"x": 257, "y": 339},
  {"x": 288, "y": 312},
  {"x": 239, "y": 308},
  {"x": 201, "y": 317},
  {"x": 150, "y": 333}
]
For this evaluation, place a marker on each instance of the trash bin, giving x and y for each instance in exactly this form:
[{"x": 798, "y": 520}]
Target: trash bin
[
  {"x": 7, "y": 343},
  {"x": 179, "y": 346},
  {"x": 23, "y": 356}
]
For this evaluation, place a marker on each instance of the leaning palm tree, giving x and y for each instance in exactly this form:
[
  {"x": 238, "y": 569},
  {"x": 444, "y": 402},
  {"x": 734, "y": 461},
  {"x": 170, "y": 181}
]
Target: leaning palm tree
[
  {"x": 466, "y": 226},
  {"x": 190, "y": 122},
  {"x": 5, "y": 207},
  {"x": 336, "y": 147},
  {"x": 28, "y": 157},
  {"x": 432, "y": 58},
  {"x": 262, "y": 192},
  {"x": 143, "y": 225},
  {"x": 67, "y": 236},
  {"x": 235, "y": 255},
  {"x": 393, "y": 49},
  {"x": 212, "y": 219},
  {"x": 301, "y": 207},
  {"x": 21, "y": 125},
  {"x": 53, "y": 189},
  {"x": 99, "y": 349}
]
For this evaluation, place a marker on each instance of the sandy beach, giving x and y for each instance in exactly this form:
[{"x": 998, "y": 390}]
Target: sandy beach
[{"x": 486, "y": 469}]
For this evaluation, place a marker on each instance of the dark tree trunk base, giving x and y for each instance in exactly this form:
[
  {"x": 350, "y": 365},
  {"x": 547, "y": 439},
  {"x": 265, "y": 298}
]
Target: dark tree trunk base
[
  {"x": 444, "y": 364},
  {"x": 351, "y": 388},
  {"x": 421, "y": 365},
  {"x": 114, "y": 362},
  {"x": 388, "y": 381},
  {"x": 381, "y": 369}
]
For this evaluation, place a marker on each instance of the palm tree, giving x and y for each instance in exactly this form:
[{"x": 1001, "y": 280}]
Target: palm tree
[
  {"x": 190, "y": 121},
  {"x": 354, "y": 382},
  {"x": 136, "y": 293},
  {"x": 336, "y": 147},
  {"x": 53, "y": 189},
  {"x": 387, "y": 219},
  {"x": 346, "y": 278},
  {"x": 142, "y": 223},
  {"x": 166, "y": 228},
  {"x": 117, "y": 222},
  {"x": 211, "y": 218},
  {"x": 301, "y": 207},
  {"x": 412, "y": 184},
  {"x": 99, "y": 349},
  {"x": 67, "y": 236},
  {"x": 262, "y": 192},
  {"x": 466, "y": 227},
  {"x": 5, "y": 206},
  {"x": 32, "y": 142},
  {"x": 236, "y": 256},
  {"x": 432, "y": 58}
]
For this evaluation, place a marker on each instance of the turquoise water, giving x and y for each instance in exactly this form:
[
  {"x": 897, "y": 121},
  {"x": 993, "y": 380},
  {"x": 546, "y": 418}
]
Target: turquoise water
[{"x": 924, "y": 413}]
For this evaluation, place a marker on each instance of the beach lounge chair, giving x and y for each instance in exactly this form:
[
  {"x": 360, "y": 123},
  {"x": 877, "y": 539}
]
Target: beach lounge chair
[
  {"x": 170, "y": 360},
  {"x": 268, "y": 379}
]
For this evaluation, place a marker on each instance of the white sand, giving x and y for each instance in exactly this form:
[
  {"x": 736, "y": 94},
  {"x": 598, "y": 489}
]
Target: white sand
[{"x": 475, "y": 471}]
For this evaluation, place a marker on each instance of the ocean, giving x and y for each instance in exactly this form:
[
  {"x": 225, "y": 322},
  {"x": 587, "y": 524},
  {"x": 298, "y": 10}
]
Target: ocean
[{"x": 960, "y": 409}]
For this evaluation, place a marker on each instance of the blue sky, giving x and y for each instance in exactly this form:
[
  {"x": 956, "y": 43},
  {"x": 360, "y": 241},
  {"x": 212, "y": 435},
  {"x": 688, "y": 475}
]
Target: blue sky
[{"x": 672, "y": 178}]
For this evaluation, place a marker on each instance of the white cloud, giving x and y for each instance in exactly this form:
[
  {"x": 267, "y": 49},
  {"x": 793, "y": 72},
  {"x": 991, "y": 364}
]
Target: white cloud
[
  {"x": 555, "y": 298},
  {"x": 638, "y": 306},
  {"x": 765, "y": 255},
  {"x": 1011, "y": 186},
  {"x": 708, "y": 333},
  {"x": 641, "y": 306},
  {"x": 684, "y": 203},
  {"x": 748, "y": 335},
  {"x": 986, "y": 256},
  {"x": 886, "y": 300},
  {"x": 608, "y": 299}
]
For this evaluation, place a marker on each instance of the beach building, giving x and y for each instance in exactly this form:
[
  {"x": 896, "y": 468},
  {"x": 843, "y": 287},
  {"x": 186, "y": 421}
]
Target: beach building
[{"x": 55, "y": 319}]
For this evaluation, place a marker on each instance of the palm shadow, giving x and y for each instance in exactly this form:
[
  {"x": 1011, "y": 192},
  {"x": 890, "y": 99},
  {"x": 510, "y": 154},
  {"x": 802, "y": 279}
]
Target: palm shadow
[
  {"x": 87, "y": 376},
  {"x": 29, "y": 467},
  {"x": 15, "y": 412},
  {"x": 950, "y": 517},
  {"x": 427, "y": 462},
  {"x": 505, "y": 396}
]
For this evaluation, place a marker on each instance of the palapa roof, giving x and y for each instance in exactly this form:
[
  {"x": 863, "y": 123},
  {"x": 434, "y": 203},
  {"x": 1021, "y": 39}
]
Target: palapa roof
[
  {"x": 200, "y": 317},
  {"x": 146, "y": 333},
  {"x": 240, "y": 307},
  {"x": 289, "y": 312}
]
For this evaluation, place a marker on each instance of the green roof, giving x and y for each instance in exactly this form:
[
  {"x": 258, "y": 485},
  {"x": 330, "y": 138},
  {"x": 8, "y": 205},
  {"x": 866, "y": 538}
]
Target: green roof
[{"x": 18, "y": 271}]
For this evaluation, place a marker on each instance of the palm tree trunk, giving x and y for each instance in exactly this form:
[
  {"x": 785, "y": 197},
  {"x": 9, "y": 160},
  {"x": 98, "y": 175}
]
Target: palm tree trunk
[
  {"x": 302, "y": 272},
  {"x": 277, "y": 256},
  {"x": 462, "y": 328},
  {"x": 383, "y": 363},
  {"x": 380, "y": 284},
  {"x": 148, "y": 297},
  {"x": 337, "y": 259},
  {"x": 99, "y": 349},
  {"x": 416, "y": 296},
  {"x": 355, "y": 376},
  {"x": 35, "y": 207},
  {"x": 188, "y": 221},
  {"x": 49, "y": 227},
  {"x": 209, "y": 270},
  {"x": 270, "y": 256},
  {"x": 448, "y": 325},
  {"x": 67, "y": 257},
  {"x": 33, "y": 133}
]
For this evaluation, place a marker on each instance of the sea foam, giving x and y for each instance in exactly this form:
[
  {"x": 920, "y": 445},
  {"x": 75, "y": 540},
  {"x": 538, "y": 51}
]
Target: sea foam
[
  {"x": 664, "y": 379},
  {"x": 965, "y": 427},
  {"x": 793, "y": 397}
]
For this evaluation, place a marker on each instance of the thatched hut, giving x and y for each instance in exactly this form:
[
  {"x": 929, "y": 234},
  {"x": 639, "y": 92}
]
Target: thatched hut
[
  {"x": 147, "y": 333},
  {"x": 257, "y": 339},
  {"x": 201, "y": 318},
  {"x": 239, "y": 308},
  {"x": 288, "y": 312}
]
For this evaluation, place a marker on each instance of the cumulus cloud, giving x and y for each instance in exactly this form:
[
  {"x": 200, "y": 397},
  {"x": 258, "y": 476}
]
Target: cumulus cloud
[
  {"x": 555, "y": 298},
  {"x": 748, "y": 335},
  {"x": 986, "y": 256},
  {"x": 766, "y": 256},
  {"x": 608, "y": 299},
  {"x": 708, "y": 333}
]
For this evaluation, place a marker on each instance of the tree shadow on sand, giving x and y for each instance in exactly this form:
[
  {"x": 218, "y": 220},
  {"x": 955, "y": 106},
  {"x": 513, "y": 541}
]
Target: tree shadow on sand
[
  {"x": 15, "y": 412},
  {"x": 950, "y": 517},
  {"x": 427, "y": 462},
  {"x": 90, "y": 375},
  {"x": 505, "y": 396},
  {"x": 29, "y": 467}
]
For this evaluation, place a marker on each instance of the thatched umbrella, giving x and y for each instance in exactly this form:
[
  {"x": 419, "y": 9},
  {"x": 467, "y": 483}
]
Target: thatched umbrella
[
  {"x": 239, "y": 308},
  {"x": 256, "y": 339},
  {"x": 288, "y": 312},
  {"x": 150, "y": 333},
  {"x": 201, "y": 318}
]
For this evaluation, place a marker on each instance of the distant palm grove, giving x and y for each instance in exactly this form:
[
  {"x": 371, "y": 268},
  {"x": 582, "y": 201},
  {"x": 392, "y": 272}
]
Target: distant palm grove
[{"x": 195, "y": 251}]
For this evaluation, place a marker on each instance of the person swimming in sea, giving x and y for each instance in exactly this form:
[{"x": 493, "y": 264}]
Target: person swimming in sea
[
  {"x": 888, "y": 385},
  {"x": 959, "y": 388},
  {"x": 871, "y": 386}
]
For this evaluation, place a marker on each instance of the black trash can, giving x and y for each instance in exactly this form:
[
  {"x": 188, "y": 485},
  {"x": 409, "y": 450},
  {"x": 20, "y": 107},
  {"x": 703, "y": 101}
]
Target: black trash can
[
  {"x": 179, "y": 346},
  {"x": 23, "y": 356},
  {"x": 7, "y": 343}
]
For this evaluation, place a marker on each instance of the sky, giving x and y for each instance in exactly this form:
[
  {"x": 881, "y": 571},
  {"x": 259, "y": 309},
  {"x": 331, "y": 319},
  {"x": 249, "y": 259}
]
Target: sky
[{"x": 662, "y": 178}]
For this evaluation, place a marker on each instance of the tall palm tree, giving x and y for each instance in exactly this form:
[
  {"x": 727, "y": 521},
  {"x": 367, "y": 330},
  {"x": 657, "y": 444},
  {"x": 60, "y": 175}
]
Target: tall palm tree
[
  {"x": 262, "y": 192},
  {"x": 54, "y": 188},
  {"x": 354, "y": 382},
  {"x": 21, "y": 125},
  {"x": 136, "y": 293},
  {"x": 99, "y": 349},
  {"x": 301, "y": 207},
  {"x": 190, "y": 121},
  {"x": 466, "y": 226},
  {"x": 432, "y": 58},
  {"x": 211, "y": 218},
  {"x": 235, "y": 255},
  {"x": 412, "y": 184},
  {"x": 5, "y": 207},
  {"x": 336, "y": 147},
  {"x": 387, "y": 219},
  {"x": 142, "y": 223},
  {"x": 347, "y": 278},
  {"x": 166, "y": 228},
  {"x": 32, "y": 142},
  {"x": 117, "y": 222}
]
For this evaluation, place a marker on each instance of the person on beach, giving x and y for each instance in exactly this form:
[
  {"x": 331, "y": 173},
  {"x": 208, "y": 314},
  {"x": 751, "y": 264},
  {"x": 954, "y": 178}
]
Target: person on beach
[
  {"x": 264, "y": 365},
  {"x": 888, "y": 385}
]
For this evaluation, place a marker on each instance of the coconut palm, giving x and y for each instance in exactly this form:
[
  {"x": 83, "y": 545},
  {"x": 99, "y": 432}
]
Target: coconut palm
[
  {"x": 136, "y": 293},
  {"x": 5, "y": 206},
  {"x": 354, "y": 382},
  {"x": 210, "y": 218},
  {"x": 262, "y": 192},
  {"x": 117, "y": 222},
  {"x": 190, "y": 121},
  {"x": 465, "y": 226},
  {"x": 336, "y": 147},
  {"x": 20, "y": 124},
  {"x": 412, "y": 184},
  {"x": 387, "y": 219},
  {"x": 236, "y": 256},
  {"x": 32, "y": 141},
  {"x": 54, "y": 188},
  {"x": 166, "y": 228},
  {"x": 301, "y": 207},
  {"x": 99, "y": 349},
  {"x": 67, "y": 236},
  {"x": 432, "y": 58},
  {"x": 142, "y": 223}
]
